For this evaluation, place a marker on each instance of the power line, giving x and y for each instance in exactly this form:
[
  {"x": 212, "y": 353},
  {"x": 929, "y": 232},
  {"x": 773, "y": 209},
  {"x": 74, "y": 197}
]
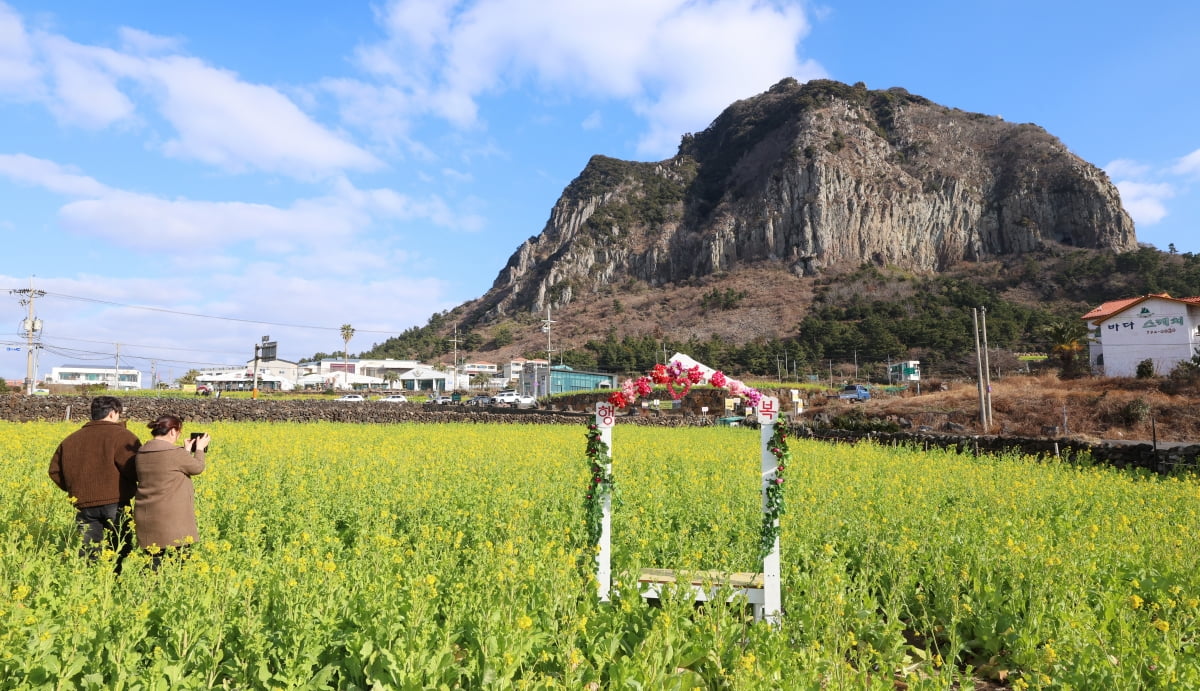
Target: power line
[
  {"x": 102, "y": 356},
  {"x": 154, "y": 347},
  {"x": 164, "y": 310}
]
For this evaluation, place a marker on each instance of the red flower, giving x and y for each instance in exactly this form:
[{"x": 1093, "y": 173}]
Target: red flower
[
  {"x": 643, "y": 387},
  {"x": 618, "y": 399},
  {"x": 717, "y": 379},
  {"x": 659, "y": 374}
]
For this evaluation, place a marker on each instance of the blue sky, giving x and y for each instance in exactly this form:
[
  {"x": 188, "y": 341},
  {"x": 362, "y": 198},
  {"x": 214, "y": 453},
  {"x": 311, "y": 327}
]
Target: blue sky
[{"x": 182, "y": 179}]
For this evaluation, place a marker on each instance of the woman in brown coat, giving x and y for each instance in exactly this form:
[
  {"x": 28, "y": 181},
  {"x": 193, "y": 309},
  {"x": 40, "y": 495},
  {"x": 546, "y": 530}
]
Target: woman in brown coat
[{"x": 164, "y": 508}]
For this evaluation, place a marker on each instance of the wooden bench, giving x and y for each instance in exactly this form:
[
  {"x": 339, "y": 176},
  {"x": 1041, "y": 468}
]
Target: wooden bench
[{"x": 706, "y": 586}]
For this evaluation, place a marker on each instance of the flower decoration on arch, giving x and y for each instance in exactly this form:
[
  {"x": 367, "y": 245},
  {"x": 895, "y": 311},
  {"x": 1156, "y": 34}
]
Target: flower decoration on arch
[{"x": 679, "y": 380}]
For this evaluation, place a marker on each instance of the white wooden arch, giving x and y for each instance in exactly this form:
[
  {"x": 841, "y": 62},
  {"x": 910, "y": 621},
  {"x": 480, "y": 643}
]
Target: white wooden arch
[{"x": 761, "y": 590}]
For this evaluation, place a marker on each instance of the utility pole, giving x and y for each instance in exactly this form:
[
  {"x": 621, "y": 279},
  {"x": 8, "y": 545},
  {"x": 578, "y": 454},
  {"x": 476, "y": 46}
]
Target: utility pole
[
  {"x": 987, "y": 371},
  {"x": 31, "y": 326},
  {"x": 268, "y": 351},
  {"x": 117, "y": 368},
  {"x": 983, "y": 417},
  {"x": 546, "y": 324},
  {"x": 454, "y": 364},
  {"x": 254, "y": 376}
]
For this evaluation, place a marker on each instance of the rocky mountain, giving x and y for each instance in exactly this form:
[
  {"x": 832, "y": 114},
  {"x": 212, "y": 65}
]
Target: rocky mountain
[{"x": 805, "y": 180}]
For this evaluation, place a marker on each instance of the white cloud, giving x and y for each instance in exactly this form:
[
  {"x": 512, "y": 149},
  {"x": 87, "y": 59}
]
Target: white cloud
[
  {"x": 153, "y": 224},
  {"x": 593, "y": 121},
  {"x": 1145, "y": 202},
  {"x": 1188, "y": 165},
  {"x": 218, "y": 118},
  {"x": 140, "y": 42},
  {"x": 19, "y": 75},
  {"x": 50, "y": 175},
  {"x": 233, "y": 124},
  {"x": 679, "y": 62},
  {"x": 456, "y": 175},
  {"x": 84, "y": 84},
  {"x": 1126, "y": 168}
]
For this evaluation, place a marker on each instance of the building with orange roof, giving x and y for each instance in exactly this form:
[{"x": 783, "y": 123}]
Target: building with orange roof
[{"x": 1155, "y": 327}]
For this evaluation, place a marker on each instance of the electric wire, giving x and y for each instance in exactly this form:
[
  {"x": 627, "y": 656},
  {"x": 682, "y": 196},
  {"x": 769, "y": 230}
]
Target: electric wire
[{"x": 211, "y": 316}]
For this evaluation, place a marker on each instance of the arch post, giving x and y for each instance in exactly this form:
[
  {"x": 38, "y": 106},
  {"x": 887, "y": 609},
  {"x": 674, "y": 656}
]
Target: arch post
[
  {"x": 606, "y": 415},
  {"x": 772, "y": 607}
]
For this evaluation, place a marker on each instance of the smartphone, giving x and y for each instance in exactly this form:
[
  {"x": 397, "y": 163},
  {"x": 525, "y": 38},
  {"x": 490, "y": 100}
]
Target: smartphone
[{"x": 196, "y": 440}]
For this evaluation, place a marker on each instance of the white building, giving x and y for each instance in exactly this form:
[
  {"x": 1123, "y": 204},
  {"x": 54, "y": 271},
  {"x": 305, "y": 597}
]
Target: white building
[
  {"x": 409, "y": 375},
  {"x": 1160, "y": 328},
  {"x": 273, "y": 375},
  {"x": 513, "y": 369},
  {"x": 90, "y": 375}
]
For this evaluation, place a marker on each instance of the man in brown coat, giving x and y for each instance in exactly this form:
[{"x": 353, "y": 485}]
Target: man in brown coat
[{"x": 94, "y": 465}]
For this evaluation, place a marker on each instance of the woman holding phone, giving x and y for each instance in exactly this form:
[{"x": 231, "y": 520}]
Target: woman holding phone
[{"x": 164, "y": 510}]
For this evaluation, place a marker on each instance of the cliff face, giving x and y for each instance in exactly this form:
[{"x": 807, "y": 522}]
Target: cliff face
[{"x": 812, "y": 177}]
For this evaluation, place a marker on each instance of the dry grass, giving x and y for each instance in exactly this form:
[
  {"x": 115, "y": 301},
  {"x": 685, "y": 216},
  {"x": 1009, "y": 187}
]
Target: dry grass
[{"x": 1094, "y": 408}]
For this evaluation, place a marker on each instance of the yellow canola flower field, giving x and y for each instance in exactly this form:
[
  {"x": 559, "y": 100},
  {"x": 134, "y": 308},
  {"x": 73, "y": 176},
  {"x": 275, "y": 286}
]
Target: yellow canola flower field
[{"x": 452, "y": 556}]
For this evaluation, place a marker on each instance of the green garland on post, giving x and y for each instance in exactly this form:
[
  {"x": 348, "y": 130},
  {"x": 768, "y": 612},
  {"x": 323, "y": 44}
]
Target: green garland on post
[
  {"x": 600, "y": 483},
  {"x": 775, "y": 505}
]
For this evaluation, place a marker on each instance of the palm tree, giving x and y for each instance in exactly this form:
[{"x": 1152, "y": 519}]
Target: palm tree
[
  {"x": 391, "y": 377},
  {"x": 1068, "y": 341},
  {"x": 347, "y": 334}
]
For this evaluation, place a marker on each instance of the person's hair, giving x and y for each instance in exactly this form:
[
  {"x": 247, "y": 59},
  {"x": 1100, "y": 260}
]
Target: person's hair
[
  {"x": 164, "y": 424},
  {"x": 103, "y": 405}
]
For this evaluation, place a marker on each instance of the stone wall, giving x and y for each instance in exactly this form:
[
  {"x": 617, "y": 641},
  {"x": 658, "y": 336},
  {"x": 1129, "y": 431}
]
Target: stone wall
[
  {"x": 1164, "y": 459},
  {"x": 199, "y": 410}
]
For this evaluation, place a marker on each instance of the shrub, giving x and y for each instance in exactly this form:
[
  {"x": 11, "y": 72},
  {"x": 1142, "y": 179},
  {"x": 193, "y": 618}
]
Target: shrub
[
  {"x": 1135, "y": 411},
  {"x": 1145, "y": 369}
]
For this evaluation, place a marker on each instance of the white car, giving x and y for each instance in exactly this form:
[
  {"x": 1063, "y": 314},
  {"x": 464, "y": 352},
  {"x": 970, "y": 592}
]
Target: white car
[
  {"x": 351, "y": 397},
  {"x": 394, "y": 398},
  {"x": 514, "y": 398},
  {"x": 506, "y": 398},
  {"x": 442, "y": 400}
]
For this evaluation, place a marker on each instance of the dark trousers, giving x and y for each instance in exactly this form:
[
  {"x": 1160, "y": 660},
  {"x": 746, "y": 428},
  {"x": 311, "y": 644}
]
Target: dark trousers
[{"x": 104, "y": 527}]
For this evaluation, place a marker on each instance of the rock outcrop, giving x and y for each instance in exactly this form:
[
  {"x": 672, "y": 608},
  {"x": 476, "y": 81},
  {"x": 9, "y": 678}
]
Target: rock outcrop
[{"x": 815, "y": 176}]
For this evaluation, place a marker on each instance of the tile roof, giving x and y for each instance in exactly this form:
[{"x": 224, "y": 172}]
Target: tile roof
[{"x": 1112, "y": 307}]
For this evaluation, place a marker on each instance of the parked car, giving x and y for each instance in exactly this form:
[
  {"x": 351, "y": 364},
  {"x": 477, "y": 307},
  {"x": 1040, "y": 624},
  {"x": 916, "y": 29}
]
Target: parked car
[
  {"x": 351, "y": 398},
  {"x": 506, "y": 397},
  {"x": 481, "y": 399},
  {"x": 855, "y": 392},
  {"x": 514, "y": 398},
  {"x": 394, "y": 398},
  {"x": 441, "y": 400}
]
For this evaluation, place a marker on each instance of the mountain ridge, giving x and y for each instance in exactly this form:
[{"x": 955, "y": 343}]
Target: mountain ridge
[{"x": 757, "y": 218}]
